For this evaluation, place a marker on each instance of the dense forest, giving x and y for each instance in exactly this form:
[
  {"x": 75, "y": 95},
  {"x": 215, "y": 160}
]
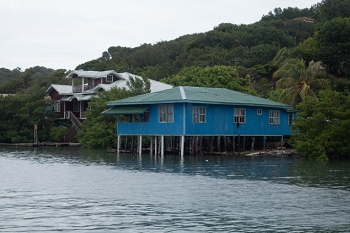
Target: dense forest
[{"x": 297, "y": 56}]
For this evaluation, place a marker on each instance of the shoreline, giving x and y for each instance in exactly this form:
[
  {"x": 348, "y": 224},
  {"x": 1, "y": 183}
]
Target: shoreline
[{"x": 41, "y": 144}]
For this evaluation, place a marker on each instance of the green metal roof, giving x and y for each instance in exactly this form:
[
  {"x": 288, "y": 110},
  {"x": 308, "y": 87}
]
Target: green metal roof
[
  {"x": 204, "y": 95},
  {"x": 126, "y": 110}
]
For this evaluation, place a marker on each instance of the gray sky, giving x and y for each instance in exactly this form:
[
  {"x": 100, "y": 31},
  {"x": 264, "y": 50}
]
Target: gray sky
[{"x": 65, "y": 33}]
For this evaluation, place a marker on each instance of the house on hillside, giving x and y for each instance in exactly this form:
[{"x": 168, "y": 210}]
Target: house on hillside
[
  {"x": 194, "y": 117},
  {"x": 71, "y": 101}
]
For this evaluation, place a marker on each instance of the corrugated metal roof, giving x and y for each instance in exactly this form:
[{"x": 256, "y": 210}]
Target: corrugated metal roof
[
  {"x": 126, "y": 110},
  {"x": 61, "y": 89},
  {"x": 155, "y": 85},
  {"x": 200, "y": 95},
  {"x": 78, "y": 97},
  {"x": 92, "y": 74}
]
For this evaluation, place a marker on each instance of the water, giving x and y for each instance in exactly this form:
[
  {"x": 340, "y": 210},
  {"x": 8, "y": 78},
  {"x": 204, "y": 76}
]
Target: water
[{"x": 80, "y": 190}]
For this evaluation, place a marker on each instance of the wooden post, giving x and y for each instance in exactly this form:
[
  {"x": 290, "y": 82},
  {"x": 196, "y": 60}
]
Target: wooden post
[
  {"x": 151, "y": 146},
  {"x": 239, "y": 143},
  {"x": 162, "y": 146},
  {"x": 118, "y": 144},
  {"x": 126, "y": 143},
  {"x": 156, "y": 145},
  {"x": 281, "y": 142},
  {"x": 211, "y": 140},
  {"x": 140, "y": 145},
  {"x": 182, "y": 145},
  {"x": 253, "y": 141},
  {"x": 132, "y": 144},
  {"x": 244, "y": 137},
  {"x": 35, "y": 135},
  {"x": 264, "y": 142},
  {"x": 233, "y": 145}
]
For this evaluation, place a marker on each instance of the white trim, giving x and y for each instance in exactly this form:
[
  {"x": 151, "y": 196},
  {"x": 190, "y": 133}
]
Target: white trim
[{"x": 183, "y": 94}]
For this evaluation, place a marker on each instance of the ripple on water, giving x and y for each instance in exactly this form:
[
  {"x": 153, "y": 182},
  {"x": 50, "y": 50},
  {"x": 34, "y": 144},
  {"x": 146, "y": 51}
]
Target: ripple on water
[{"x": 72, "y": 192}]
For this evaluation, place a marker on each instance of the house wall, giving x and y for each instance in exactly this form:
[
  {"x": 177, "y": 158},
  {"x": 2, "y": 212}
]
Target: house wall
[{"x": 219, "y": 121}]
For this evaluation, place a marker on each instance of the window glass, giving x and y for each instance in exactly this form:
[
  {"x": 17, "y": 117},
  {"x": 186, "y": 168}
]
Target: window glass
[
  {"x": 76, "y": 106},
  {"x": 239, "y": 115},
  {"x": 56, "y": 106},
  {"x": 290, "y": 118},
  {"x": 198, "y": 114},
  {"x": 109, "y": 78},
  {"x": 166, "y": 113},
  {"x": 274, "y": 118}
]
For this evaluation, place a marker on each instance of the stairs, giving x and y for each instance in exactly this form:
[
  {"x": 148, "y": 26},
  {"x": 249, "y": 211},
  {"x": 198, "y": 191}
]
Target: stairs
[{"x": 71, "y": 135}]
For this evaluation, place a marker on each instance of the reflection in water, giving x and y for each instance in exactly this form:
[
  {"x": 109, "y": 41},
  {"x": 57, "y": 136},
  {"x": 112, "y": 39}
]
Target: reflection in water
[{"x": 77, "y": 189}]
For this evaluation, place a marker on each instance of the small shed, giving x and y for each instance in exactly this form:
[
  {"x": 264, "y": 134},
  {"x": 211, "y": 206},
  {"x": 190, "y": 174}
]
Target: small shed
[{"x": 189, "y": 115}]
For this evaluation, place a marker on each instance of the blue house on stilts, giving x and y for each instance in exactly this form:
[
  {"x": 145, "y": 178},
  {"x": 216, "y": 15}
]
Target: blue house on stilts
[{"x": 191, "y": 119}]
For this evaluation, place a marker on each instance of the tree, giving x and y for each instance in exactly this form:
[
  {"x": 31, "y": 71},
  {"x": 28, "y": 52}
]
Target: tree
[
  {"x": 322, "y": 127},
  {"x": 217, "y": 76},
  {"x": 298, "y": 80}
]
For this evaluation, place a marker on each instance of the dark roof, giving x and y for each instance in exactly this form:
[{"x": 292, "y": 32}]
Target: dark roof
[{"x": 199, "y": 95}]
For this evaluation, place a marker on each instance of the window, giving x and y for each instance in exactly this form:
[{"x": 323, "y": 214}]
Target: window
[
  {"x": 274, "y": 118},
  {"x": 146, "y": 116},
  {"x": 239, "y": 115},
  {"x": 109, "y": 78},
  {"x": 259, "y": 111},
  {"x": 166, "y": 113},
  {"x": 76, "y": 106},
  {"x": 290, "y": 118},
  {"x": 198, "y": 114},
  {"x": 56, "y": 106}
]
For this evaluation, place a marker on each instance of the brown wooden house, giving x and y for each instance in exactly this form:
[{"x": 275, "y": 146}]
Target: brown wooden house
[{"x": 71, "y": 101}]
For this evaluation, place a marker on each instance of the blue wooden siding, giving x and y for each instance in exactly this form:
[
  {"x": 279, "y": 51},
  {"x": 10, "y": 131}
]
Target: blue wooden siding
[{"x": 219, "y": 121}]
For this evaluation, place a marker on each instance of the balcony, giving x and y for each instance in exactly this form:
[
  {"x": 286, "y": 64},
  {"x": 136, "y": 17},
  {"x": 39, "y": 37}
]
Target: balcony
[{"x": 78, "y": 89}]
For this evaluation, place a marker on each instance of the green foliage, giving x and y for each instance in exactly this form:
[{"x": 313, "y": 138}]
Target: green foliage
[
  {"x": 298, "y": 80},
  {"x": 19, "y": 113},
  {"x": 322, "y": 127},
  {"x": 329, "y": 9},
  {"x": 330, "y": 44},
  {"x": 24, "y": 80},
  {"x": 57, "y": 133},
  {"x": 217, "y": 76},
  {"x": 7, "y": 75}
]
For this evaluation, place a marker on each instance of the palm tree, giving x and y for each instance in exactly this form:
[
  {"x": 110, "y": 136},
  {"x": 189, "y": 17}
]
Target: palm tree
[{"x": 298, "y": 81}]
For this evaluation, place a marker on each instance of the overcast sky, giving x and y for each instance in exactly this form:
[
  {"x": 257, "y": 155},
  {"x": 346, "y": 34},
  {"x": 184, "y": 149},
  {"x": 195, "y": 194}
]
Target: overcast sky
[{"x": 65, "y": 33}]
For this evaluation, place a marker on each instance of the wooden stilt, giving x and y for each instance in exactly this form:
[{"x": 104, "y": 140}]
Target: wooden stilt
[
  {"x": 244, "y": 138},
  {"x": 182, "y": 145},
  {"x": 218, "y": 144},
  {"x": 162, "y": 146},
  {"x": 253, "y": 142},
  {"x": 140, "y": 145},
  {"x": 211, "y": 140},
  {"x": 233, "y": 144},
  {"x": 118, "y": 144},
  {"x": 156, "y": 145}
]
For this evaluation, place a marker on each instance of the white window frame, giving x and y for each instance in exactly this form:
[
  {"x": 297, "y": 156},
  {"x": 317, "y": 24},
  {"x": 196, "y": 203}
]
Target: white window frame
[
  {"x": 109, "y": 78},
  {"x": 166, "y": 113},
  {"x": 274, "y": 117},
  {"x": 198, "y": 114},
  {"x": 56, "y": 106},
  {"x": 259, "y": 111},
  {"x": 290, "y": 118},
  {"x": 239, "y": 115}
]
